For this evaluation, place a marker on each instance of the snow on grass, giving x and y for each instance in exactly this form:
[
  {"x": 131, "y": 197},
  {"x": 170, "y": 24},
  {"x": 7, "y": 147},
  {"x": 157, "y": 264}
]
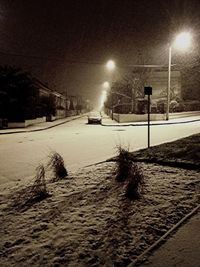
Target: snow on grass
[
  {"x": 184, "y": 153},
  {"x": 88, "y": 221}
]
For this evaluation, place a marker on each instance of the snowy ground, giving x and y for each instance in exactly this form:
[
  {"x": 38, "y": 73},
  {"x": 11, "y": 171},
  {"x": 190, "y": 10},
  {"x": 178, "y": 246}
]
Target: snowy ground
[
  {"x": 79, "y": 144},
  {"x": 87, "y": 221}
]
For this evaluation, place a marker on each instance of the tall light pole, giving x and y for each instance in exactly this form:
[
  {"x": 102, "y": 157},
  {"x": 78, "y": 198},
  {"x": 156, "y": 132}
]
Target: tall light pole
[
  {"x": 103, "y": 99},
  {"x": 106, "y": 87},
  {"x": 169, "y": 81},
  {"x": 182, "y": 42},
  {"x": 110, "y": 65}
]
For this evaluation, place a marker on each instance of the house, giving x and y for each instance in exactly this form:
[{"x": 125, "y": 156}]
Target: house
[{"x": 54, "y": 103}]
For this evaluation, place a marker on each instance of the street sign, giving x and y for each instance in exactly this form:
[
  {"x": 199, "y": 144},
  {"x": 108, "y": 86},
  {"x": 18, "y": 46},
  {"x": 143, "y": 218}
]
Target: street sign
[{"x": 148, "y": 90}]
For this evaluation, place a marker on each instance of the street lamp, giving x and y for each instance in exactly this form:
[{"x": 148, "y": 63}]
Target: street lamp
[
  {"x": 106, "y": 85},
  {"x": 110, "y": 65},
  {"x": 182, "y": 42}
]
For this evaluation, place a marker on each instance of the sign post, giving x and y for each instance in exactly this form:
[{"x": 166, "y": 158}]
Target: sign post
[
  {"x": 148, "y": 92},
  {"x": 112, "y": 105}
]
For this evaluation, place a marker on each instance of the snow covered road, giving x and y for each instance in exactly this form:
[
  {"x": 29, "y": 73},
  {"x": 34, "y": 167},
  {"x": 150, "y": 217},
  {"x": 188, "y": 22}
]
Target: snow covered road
[{"x": 79, "y": 144}]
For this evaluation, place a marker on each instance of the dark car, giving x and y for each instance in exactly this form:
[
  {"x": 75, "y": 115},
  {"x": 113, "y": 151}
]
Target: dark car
[{"x": 94, "y": 117}]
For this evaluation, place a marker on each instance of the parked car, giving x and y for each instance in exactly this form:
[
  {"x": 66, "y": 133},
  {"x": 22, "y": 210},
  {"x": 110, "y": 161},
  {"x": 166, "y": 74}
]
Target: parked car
[{"x": 94, "y": 117}]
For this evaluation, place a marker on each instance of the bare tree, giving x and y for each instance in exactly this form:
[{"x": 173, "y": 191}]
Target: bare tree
[{"x": 124, "y": 93}]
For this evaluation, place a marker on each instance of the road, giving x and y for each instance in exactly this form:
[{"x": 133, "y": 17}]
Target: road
[{"x": 79, "y": 144}]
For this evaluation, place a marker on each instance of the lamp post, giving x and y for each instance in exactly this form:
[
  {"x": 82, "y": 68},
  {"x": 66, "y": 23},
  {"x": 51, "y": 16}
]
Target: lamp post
[
  {"x": 110, "y": 65},
  {"x": 169, "y": 81},
  {"x": 182, "y": 42},
  {"x": 103, "y": 99},
  {"x": 106, "y": 86}
]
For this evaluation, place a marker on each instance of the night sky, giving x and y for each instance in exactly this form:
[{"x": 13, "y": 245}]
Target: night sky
[{"x": 66, "y": 43}]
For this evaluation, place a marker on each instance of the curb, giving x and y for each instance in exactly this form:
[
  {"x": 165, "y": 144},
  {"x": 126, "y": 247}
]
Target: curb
[
  {"x": 42, "y": 129},
  {"x": 52, "y": 126},
  {"x": 151, "y": 124},
  {"x": 187, "y": 166},
  {"x": 142, "y": 256}
]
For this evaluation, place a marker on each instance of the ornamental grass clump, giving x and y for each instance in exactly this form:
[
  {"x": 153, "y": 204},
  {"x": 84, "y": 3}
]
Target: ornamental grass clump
[
  {"x": 129, "y": 174},
  {"x": 57, "y": 164},
  {"x": 39, "y": 187},
  {"x": 135, "y": 182},
  {"x": 28, "y": 196},
  {"x": 123, "y": 164}
]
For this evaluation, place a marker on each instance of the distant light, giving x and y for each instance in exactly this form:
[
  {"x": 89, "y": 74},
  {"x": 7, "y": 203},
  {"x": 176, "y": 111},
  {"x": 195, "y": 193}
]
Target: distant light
[
  {"x": 103, "y": 99},
  {"x": 104, "y": 93},
  {"x": 183, "y": 41},
  {"x": 110, "y": 65},
  {"x": 106, "y": 85}
]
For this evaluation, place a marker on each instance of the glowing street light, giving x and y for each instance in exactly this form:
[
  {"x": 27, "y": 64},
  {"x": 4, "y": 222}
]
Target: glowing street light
[
  {"x": 110, "y": 65},
  {"x": 103, "y": 99},
  {"x": 182, "y": 42},
  {"x": 106, "y": 85}
]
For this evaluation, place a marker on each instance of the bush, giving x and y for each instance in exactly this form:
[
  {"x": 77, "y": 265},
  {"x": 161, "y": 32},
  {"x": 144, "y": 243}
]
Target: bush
[
  {"x": 26, "y": 197},
  {"x": 129, "y": 173},
  {"x": 161, "y": 106},
  {"x": 57, "y": 164},
  {"x": 192, "y": 105},
  {"x": 142, "y": 106},
  {"x": 123, "y": 164},
  {"x": 135, "y": 182},
  {"x": 39, "y": 187}
]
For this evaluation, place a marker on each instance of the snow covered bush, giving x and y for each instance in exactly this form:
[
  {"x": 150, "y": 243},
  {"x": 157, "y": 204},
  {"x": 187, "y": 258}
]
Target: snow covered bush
[
  {"x": 39, "y": 187},
  {"x": 135, "y": 182},
  {"x": 129, "y": 173},
  {"x": 26, "y": 197},
  {"x": 56, "y": 162},
  {"x": 123, "y": 164}
]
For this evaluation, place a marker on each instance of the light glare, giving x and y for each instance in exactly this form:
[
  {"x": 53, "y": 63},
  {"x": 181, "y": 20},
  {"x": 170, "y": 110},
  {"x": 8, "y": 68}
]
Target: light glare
[
  {"x": 183, "y": 41},
  {"x": 103, "y": 99},
  {"x": 110, "y": 65},
  {"x": 106, "y": 85}
]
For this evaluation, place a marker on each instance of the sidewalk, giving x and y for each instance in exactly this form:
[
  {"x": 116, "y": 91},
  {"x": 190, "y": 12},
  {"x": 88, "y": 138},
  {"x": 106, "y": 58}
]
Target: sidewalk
[
  {"x": 41, "y": 126},
  {"x": 109, "y": 122},
  {"x": 182, "y": 249}
]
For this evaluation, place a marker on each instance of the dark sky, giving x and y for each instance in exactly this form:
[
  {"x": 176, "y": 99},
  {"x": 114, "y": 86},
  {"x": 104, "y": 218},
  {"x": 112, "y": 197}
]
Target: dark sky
[{"x": 65, "y": 43}]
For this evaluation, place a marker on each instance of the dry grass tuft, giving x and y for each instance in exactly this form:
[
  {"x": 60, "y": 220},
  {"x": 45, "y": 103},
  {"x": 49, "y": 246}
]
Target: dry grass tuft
[
  {"x": 123, "y": 165},
  {"x": 56, "y": 162},
  {"x": 39, "y": 187},
  {"x": 128, "y": 172},
  {"x": 26, "y": 197},
  {"x": 135, "y": 182}
]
